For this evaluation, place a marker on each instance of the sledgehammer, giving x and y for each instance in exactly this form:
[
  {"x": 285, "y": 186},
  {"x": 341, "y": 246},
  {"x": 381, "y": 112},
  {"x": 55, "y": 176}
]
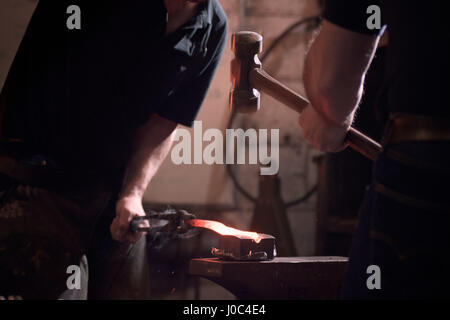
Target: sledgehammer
[{"x": 248, "y": 77}]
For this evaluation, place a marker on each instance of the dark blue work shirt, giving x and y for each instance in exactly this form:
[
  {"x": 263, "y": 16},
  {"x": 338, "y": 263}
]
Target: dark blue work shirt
[{"x": 78, "y": 96}]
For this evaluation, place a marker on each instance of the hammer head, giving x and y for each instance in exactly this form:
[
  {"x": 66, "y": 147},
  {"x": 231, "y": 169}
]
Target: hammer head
[{"x": 246, "y": 45}]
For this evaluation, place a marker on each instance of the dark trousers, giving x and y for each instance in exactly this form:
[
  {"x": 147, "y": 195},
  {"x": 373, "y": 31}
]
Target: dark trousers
[
  {"x": 46, "y": 230},
  {"x": 404, "y": 226}
]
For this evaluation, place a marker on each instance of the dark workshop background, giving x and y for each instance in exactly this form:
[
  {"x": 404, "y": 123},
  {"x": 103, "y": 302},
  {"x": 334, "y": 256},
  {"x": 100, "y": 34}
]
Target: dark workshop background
[{"x": 320, "y": 224}]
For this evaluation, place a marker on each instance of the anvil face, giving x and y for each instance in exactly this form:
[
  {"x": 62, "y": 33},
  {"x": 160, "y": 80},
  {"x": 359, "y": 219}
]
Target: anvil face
[{"x": 242, "y": 248}]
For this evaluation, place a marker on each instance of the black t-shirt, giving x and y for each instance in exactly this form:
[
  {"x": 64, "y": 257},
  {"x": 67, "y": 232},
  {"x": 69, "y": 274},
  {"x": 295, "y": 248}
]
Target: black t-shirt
[
  {"x": 78, "y": 96},
  {"x": 418, "y": 54}
]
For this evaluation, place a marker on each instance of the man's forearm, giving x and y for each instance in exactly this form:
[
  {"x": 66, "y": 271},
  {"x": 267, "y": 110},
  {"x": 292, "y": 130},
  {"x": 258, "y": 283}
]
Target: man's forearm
[
  {"x": 151, "y": 145},
  {"x": 335, "y": 68}
]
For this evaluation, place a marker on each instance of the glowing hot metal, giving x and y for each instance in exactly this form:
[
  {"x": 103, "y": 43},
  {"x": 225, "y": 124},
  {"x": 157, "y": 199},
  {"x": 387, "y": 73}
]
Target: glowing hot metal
[{"x": 224, "y": 230}]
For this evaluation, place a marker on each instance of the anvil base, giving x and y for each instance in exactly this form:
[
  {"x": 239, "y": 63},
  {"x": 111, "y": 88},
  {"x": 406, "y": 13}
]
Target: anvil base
[{"x": 284, "y": 278}]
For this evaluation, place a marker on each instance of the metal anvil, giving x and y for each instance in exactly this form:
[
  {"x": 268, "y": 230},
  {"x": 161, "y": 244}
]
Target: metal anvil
[{"x": 283, "y": 278}]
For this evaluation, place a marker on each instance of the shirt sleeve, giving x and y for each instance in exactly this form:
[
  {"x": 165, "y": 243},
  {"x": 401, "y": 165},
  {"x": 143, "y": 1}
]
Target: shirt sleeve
[
  {"x": 351, "y": 14},
  {"x": 184, "y": 104}
]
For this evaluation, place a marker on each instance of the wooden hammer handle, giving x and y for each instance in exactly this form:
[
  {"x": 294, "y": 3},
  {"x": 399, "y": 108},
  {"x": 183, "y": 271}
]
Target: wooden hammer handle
[
  {"x": 363, "y": 144},
  {"x": 262, "y": 81}
]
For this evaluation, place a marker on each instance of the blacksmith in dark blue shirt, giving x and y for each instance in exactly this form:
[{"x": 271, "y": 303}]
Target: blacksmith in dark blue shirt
[{"x": 94, "y": 108}]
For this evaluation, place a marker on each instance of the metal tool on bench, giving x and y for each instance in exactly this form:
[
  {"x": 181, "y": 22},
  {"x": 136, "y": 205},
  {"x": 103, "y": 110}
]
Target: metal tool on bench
[
  {"x": 170, "y": 220},
  {"x": 165, "y": 226},
  {"x": 234, "y": 244},
  {"x": 238, "y": 245},
  {"x": 248, "y": 77}
]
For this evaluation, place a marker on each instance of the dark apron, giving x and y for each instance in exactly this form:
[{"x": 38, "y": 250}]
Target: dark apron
[{"x": 404, "y": 226}]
